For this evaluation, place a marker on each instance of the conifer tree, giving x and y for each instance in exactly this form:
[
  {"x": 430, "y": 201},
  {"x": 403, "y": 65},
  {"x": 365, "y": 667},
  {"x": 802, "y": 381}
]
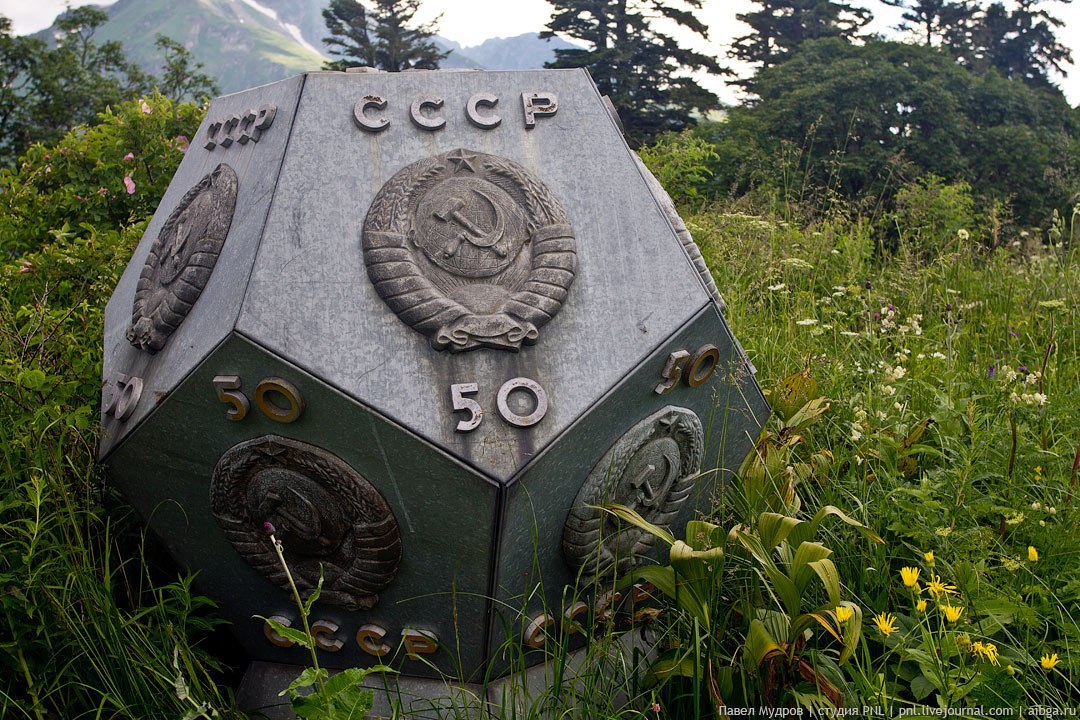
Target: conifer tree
[
  {"x": 636, "y": 65},
  {"x": 938, "y": 22},
  {"x": 1020, "y": 43},
  {"x": 780, "y": 26},
  {"x": 382, "y": 36}
]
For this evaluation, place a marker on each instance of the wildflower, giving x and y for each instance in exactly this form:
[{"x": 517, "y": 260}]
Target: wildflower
[
  {"x": 1036, "y": 505},
  {"x": 886, "y": 623},
  {"x": 268, "y": 528},
  {"x": 1052, "y": 304},
  {"x": 888, "y": 390},
  {"x": 963, "y": 235},
  {"x": 856, "y": 435},
  {"x": 129, "y": 184},
  {"x": 937, "y": 588},
  {"x": 129, "y": 156},
  {"x": 938, "y": 356},
  {"x": 910, "y": 576},
  {"x": 1010, "y": 564},
  {"x": 952, "y": 612},
  {"x": 146, "y": 110},
  {"x": 843, "y": 613},
  {"x": 990, "y": 372},
  {"x": 656, "y": 707},
  {"x": 1033, "y": 554},
  {"x": 182, "y": 143},
  {"x": 806, "y": 321},
  {"x": 921, "y": 606},
  {"x": 869, "y": 286},
  {"x": 777, "y": 288},
  {"x": 102, "y": 192},
  {"x": 1049, "y": 662},
  {"x": 963, "y": 641},
  {"x": 988, "y": 651},
  {"x": 26, "y": 267},
  {"x": 1052, "y": 510}
]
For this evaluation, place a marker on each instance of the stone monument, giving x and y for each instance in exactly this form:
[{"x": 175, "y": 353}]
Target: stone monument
[{"x": 424, "y": 323}]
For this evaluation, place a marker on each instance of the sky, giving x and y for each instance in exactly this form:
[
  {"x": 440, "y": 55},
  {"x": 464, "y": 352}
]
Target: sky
[{"x": 470, "y": 22}]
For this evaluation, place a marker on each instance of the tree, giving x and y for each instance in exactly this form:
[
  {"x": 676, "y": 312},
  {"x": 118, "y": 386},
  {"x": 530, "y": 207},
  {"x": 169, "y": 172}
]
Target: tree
[
  {"x": 857, "y": 121},
  {"x": 946, "y": 22},
  {"x": 17, "y": 58},
  {"x": 74, "y": 81},
  {"x": 635, "y": 64},
  {"x": 181, "y": 77},
  {"x": 1020, "y": 43},
  {"x": 384, "y": 36},
  {"x": 779, "y": 27}
]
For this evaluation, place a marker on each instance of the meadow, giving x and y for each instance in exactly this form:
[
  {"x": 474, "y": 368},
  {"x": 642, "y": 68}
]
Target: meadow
[{"x": 903, "y": 537}]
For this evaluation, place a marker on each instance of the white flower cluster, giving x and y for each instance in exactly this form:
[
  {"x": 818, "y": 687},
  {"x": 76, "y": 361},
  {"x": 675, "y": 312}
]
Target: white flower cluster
[{"x": 1034, "y": 399}]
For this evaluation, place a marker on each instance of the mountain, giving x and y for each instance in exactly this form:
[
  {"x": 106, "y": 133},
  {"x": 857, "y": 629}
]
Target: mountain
[
  {"x": 245, "y": 43},
  {"x": 521, "y": 52}
]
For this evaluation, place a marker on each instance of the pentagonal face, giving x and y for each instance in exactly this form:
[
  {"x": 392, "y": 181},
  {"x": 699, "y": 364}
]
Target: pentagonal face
[
  {"x": 389, "y": 254},
  {"x": 181, "y": 292},
  {"x": 661, "y": 454},
  {"x": 396, "y": 524}
]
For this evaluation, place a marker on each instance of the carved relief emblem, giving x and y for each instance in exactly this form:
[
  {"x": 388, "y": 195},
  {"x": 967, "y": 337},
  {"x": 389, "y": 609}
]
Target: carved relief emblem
[
  {"x": 182, "y": 258},
  {"x": 652, "y": 469},
  {"x": 471, "y": 250},
  {"x": 324, "y": 512}
]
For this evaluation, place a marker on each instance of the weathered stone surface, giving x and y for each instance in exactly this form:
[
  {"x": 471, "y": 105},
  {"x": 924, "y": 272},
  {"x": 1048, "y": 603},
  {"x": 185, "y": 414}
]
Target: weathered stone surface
[{"x": 448, "y": 311}]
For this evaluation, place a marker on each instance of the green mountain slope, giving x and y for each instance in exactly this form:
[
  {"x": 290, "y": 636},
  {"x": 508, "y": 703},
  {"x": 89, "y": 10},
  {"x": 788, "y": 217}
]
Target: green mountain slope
[{"x": 240, "y": 45}]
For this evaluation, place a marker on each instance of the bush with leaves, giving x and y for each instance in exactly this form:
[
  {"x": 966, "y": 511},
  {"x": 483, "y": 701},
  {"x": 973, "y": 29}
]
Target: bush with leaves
[{"x": 84, "y": 631}]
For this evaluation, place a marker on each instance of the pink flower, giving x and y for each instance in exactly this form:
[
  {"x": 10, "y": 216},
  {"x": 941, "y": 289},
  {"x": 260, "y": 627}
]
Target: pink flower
[
  {"x": 129, "y": 156},
  {"x": 656, "y": 707},
  {"x": 27, "y": 266},
  {"x": 182, "y": 142},
  {"x": 144, "y": 107},
  {"x": 102, "y": 192},
  {"x": 129, "y": 184}
]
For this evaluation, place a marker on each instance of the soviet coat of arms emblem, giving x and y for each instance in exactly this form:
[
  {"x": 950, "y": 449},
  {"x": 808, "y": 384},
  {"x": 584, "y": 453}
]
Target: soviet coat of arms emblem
[
  {"x": 182, "y": 258},
  {"x": 470, "y": 249},
  {"x": 652, "y": 469},
  {"x": 332, "y": 521}
]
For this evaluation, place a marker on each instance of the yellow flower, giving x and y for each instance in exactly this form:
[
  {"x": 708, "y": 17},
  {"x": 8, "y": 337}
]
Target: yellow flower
[
  {"x": 1049, "y": 662},
  {"x": 929, "y": 557},
  {"x": 910, "y": 576},
  {"x": 921, "y": 606},
  {"x": 988, "y": 651},
  {"x": 886, "y": 623},
  {"x": 843, "y": 614},
  {"x": 937, "y": 588},
  {"x": 1033, "y": 554},
  {"x": 952, "y": 612}
]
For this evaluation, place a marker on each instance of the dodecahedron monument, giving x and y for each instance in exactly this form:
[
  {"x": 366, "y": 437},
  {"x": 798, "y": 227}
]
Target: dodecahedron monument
[{"x": 424, "y": 323}]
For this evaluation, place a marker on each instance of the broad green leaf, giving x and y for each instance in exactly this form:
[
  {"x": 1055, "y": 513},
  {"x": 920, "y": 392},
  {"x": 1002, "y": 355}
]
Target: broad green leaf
[
  {"x": 773, "y": 528},
  {"x": 297, "y": 636},
  {"x": 759, "y": 643},
  {"x": 852, "y": 632},
  {"x": 784, "y": 589},
  {"x": 830, "y": 578},
  {"x": 627, "y": 515},
  {"x": 801, "y": 572},
  {"x": 308, "y": 677}
]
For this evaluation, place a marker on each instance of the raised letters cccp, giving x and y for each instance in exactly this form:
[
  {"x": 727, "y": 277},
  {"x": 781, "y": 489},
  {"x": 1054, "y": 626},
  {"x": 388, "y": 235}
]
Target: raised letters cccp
[{"x": 423, "y": 324}]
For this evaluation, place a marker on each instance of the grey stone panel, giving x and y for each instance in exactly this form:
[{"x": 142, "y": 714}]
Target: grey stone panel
[
  {"x": 731, "y": 409},
  {"x": 212, "y": 317},
  {"x": 310, "y": 299},
  {"x": 446, "y": 513}
]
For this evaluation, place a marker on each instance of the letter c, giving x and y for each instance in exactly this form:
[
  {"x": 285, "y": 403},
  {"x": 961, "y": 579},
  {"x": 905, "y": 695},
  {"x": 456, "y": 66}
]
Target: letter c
[{"x": 361, "y": 118}]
